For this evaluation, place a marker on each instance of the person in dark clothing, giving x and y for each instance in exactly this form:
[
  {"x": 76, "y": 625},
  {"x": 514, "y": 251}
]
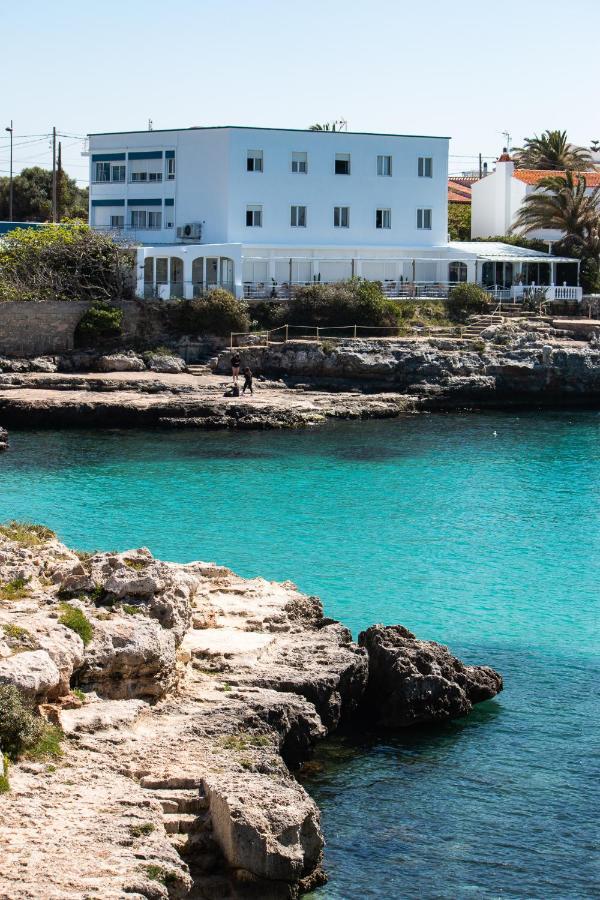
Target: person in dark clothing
[
  {"x": 235, "y": 366},
  {"x": 247, "y": 381}
]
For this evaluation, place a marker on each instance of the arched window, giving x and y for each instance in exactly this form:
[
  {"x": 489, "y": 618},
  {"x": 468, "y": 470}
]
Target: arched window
[
  {"x": 457, "y": 271},
  {"x": 198, "y": 276},
  {"x": 176, "y": 280}
]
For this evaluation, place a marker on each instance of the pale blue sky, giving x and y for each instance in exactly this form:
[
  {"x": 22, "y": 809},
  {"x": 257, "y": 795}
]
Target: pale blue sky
[{"x": 469, "y": 69}]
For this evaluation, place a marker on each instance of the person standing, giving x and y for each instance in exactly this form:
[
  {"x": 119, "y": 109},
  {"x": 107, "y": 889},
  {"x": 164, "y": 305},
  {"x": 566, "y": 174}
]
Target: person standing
[
  {"x": 235, "y": 366},
  {"x": 247, "y": 380}
]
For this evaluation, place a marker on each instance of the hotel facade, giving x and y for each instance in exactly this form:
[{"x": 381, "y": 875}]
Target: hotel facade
[{"x": 260, "y": 210}]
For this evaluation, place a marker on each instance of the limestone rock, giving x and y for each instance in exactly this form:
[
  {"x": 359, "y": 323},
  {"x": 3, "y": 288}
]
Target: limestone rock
[
  {"x": 3, "y": 439},
  {"x": 413, "y": 681},
  {"x": 170, "y": 365},
  {"x": 129, "y": 658},
  {"x": 121, "y": 362},
  {"x": 101, "y": 715},
  {"x": 34, "y": 673}
]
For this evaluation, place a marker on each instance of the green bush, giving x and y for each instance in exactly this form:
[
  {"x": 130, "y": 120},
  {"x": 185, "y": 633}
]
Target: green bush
[
  {"x": 26, "y": 534},
  {"x": 4, "y": 782},
  {"x": 74, "y": 619},
  {"x": 217, "y": 312},
  {"x": 101, "y": 322},
  {"x": 64, "y": 262},
  {"x": 353, "y": 302},
  {"x": 20, "y": 730},
  {"x": 465, "y": 300},
  {"x": 267, "y": 314}
]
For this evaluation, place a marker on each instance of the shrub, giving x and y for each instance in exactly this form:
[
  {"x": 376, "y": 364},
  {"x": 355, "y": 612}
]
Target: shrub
[
  {"x": 353, "y": 302},
  {"x": 48, "y": 743},
  {"x": 101, "y": 322},
  {"x": 4, "y": 782},
  {"x": 465, "y": 300},
  {"x": 144, "y": 828},
  {"x": 26, "y": 534},
  {"x": 15, "y": 589},
  {"x": 20, "y": 730},
  {"x": 74, "y": 619},
  {"x": 267, "y": 315},
  {"x": 64, "y": 262},
  {"x": 218, "y": 312}
]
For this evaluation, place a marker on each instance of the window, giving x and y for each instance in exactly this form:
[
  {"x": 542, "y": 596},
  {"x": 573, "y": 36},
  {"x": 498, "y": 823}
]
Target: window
[
  {"x": 138, "y": 218},
  {"x": 102, "y": 172},
  {"x": 146, "y": 174},
  {"x": 383, "y": 218},
  {"x": 424, "y": 219},
  {"x": 162, "y": 270},
  {"x": 341, "y": 216},
  {"x": 171, "y": 169},
  {"x": 298, "y": 216},
  {"x": 384, "y": 165},
  {"x": 154, "y": 219},
  {"x": 118, "y": 173},
  {"x": 254, "y": 216},
  {"x": 117, "y": 221},
  {"x": 425, "y": 167},
  {"x": 342, "y": 163},
  {"x": 300, "y": 162},
  {"x": 254, "y": 161}
]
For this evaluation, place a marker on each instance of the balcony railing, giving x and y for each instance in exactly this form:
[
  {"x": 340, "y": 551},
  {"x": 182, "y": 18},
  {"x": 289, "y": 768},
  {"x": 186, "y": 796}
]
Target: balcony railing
[{"x": 165, "y": 290}]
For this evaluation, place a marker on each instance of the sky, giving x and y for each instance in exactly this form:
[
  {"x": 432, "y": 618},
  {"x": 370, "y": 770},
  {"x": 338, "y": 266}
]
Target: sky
[{"x": 468, "y": 69}]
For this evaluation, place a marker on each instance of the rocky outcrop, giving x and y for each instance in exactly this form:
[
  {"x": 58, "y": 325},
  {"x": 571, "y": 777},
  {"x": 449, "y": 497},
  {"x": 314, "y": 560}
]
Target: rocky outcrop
[
  {"x": 121, "y": 362},
  {"x": 414, "y": 682},
  {"x": 3, "y": 439},
  {"x": 184, "y": 693},
  {"x": 172, "y": 365}
]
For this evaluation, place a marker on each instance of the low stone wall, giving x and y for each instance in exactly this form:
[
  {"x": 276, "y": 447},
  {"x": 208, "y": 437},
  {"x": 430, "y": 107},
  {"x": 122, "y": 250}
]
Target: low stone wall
[{"x": 45, "y": 329}]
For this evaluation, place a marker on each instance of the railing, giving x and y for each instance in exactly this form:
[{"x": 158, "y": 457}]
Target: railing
[
  {"x": 285, "y": 333},
  {"x": 281, "y": 290},
  {"x": 166, "y": 290}
]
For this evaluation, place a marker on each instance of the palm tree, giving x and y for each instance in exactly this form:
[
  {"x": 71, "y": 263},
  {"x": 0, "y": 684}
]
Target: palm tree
[
  {"x": 561, "y": 203},
  {"x": 337, "y": 125},
  {"x": 551, "y": 151}
]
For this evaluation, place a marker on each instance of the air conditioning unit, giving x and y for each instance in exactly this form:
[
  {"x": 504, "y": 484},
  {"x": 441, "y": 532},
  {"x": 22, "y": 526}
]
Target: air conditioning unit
[{"x": 190, "y": 232}]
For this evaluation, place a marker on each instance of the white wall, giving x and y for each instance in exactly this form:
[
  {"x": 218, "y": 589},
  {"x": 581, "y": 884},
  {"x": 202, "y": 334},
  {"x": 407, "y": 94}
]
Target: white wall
[{"x": 213, "y": 186}]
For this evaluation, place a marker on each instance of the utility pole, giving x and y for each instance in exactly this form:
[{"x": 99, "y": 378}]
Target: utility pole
[
  {"x": 480, "y": 167},
  {"x": 10, "y": 188},
  {"x": 54, "y": 195},
  {"x": 59, "y": 182}
]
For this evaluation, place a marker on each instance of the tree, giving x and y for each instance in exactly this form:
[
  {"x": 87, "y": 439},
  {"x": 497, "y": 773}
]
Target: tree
[
  {"x": 459, "y": 221},
  {"x": 551, "y": 151},
  {"x": 64, "y": 262},
  {"x": 562, "y": 203},
  {"x": 32, "y": 196}
]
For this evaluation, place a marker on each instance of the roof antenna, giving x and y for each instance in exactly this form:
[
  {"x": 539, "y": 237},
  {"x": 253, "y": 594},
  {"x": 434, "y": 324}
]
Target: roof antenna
[
  {"x": 150, "y": 125},
  {"x": 508, "y": 140}
]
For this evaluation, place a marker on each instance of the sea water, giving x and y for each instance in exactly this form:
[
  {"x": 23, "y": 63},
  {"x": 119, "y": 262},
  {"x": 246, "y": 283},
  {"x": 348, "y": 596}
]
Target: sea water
[{"x": 479, "y": 531}]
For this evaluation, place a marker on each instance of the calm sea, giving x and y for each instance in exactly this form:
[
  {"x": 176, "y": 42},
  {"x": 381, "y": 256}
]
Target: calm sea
[{"x": 479, "y": 531}]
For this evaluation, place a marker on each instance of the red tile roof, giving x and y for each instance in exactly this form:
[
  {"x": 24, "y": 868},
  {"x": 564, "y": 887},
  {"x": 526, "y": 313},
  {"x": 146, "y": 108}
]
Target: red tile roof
[
  {"x": 532, "y": 176},
  {"x": 458, "y": 192}
]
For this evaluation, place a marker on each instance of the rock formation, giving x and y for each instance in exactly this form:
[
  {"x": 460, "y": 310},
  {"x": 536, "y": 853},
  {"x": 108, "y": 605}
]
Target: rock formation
[
  {"x": 3, "y": 439},
  {"x": 413, "y": 682},
  {"x": 184, "y": 693}
]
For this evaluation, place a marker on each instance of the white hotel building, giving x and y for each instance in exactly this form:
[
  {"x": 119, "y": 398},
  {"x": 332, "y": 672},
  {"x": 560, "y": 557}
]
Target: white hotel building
[{"x": 258, "y": 210}]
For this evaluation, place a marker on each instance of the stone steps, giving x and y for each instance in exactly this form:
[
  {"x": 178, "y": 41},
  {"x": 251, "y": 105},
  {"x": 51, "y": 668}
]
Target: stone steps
[
  {"x": 181, "y": 802},
  {"x": 182, "y": 823},
  {"x": 171, "y": 782}
]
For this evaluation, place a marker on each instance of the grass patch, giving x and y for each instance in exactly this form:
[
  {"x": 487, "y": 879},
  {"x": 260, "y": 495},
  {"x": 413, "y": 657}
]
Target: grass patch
[
  {"x": 75, "y": 620},
  {"x": 77, "y": 692},
  {"x": 15, "y": 590},
  {"x": 26, "y": 534},
  {"x": 131, "y": 610},
  {"x": 141, "y": 830},
  {"x": 138, "y": 565},
  {"x": 4, "y": 782},
  {"x": 15, "y": 631},
  {"x": 48, "y": 744},
  {"x": 240, "y": 742},
  {"x": 157, "y": 873}
]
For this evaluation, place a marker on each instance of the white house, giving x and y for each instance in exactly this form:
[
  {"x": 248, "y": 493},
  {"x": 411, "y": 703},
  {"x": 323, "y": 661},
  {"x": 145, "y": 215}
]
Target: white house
[
  {"x": 497, "y": 198},
  {"x": 259, "y": 210}
]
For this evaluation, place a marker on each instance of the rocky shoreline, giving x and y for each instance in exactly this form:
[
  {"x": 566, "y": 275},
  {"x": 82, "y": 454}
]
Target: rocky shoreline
[
  {"x": 186, "y": 695},
  {"x": 303, "y": 383}
]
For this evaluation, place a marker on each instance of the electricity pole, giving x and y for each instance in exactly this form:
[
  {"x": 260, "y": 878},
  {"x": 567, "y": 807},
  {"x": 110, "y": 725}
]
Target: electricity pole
[
  {"x": 10, "y": 189},
  {"x": 54, "y": 174},
  {"x": 59, "y": 182}
]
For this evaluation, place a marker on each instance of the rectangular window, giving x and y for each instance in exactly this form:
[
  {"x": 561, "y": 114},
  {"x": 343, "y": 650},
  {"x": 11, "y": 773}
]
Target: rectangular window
[
  {"x": 342, "y": 163},
  {"x": 425, "y": 167},
  {"x": 155, "y": 220},
  {"x": 384, "y": 165},
  {"x": 254, "y": 216},
  {"x": 424, "y": 219},
  {"x": 118, "y": 173},
  {"x": 146, "y": 174},
  {"x": 171, "y": 169},
  {"x": 162, "y": 270},
  {"x": 138, "y": 218},
  {"x": 117, "y": 221},
  {"x": 300, "y": 162},
  {"x": 341, "y": 216},
  {"x": 383, "y": 218},
  {"x": 102, "y": 171},
  {"x": 254, "y": 161},
  {"x": 298, "y": 216}
]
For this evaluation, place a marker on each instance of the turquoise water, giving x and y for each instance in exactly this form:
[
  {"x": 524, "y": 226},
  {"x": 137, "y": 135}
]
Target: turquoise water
[{"x": 480, "y": 531}]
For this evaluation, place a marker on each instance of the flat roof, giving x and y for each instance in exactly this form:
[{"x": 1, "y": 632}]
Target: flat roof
[{"x": 262, "y": 128}]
